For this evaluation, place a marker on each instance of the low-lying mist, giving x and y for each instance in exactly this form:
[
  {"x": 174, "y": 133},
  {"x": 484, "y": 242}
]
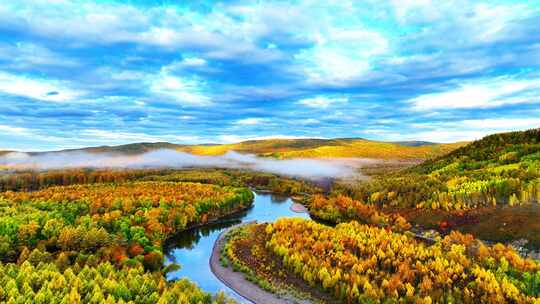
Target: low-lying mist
[{"x": 166, "y": 158}]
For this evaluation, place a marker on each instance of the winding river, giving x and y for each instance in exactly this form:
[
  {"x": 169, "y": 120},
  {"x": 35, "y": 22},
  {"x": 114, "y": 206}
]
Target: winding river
[{"x": 192, "y": 249}]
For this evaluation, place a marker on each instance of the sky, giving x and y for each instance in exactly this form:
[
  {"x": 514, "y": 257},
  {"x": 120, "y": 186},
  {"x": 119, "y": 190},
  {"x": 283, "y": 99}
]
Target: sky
[{"x": 87, "y": 73}]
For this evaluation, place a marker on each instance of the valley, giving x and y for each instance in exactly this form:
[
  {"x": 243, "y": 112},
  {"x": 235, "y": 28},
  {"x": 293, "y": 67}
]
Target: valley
[
  {"x": 269, "y": 152},
  {"x": 396, "y": 230}
]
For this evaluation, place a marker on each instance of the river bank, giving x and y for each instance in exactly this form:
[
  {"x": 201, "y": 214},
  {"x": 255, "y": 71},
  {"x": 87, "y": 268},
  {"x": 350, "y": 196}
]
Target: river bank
[
  {"x": 299, "y": 208},
  {"x": 236, "y": 280},
  {"x": 198, "y": 250},
  {"x": 192, "y": 249}
]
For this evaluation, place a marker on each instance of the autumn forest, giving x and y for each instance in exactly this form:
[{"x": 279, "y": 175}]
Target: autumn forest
[{"x": 400, "y": 236}]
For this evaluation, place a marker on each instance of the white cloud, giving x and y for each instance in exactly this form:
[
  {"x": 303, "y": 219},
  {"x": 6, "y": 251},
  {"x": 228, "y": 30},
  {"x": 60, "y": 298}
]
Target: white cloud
[
  {"x": 307, "y": 168},
  {"x": 467, "y": 130},
  {"x": 309, "y": 121},
  {"x": 402, "y": 8},
  {"x": 239, "y": 138},
  {"x": 501, "y": 124},
  {"x": 16, "y": 137},
  {"x": 484, "y": 94},
  {"x": 23, "y": 56},
  {"x": 322, "y": 101},
  {"x": 472, "y": 22},
  {"x": 342, "y": 55},
  {"x": 447, "y": 136},
  {"x": 181, "y": 90},
  {"x": 15, "y": 130},
  {"x": 193, "y": 62},
  {"x": 119, "y": 137},
  {"x": 124, "y": 74},
  {"x": 320, "y": 47},
  {"x": 46, "y": 90},
  {"x": 214, "y": 34},
  {"x": 251, "y": 121}
]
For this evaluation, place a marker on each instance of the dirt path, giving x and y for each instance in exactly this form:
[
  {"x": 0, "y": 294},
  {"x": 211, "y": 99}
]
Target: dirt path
[{"x": 236, "y": 280}]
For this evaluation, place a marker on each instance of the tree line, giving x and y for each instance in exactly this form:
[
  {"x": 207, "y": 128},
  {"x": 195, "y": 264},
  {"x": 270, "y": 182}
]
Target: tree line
[
  {"x": 358, "y": 263},
  {"x": 61, "y": 233},
  {"x": 501, "y": 169}
]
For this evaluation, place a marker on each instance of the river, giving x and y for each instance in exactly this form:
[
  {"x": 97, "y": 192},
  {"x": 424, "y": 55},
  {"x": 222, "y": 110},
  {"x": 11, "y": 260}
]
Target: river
[{"x": 192, "y": 249}]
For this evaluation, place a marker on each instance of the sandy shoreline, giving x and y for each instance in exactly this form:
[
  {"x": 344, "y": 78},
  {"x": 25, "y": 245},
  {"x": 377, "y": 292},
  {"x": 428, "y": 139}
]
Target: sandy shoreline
[
  {"x": 298, "y": 208},
  {"x": 236, "y": 280}
]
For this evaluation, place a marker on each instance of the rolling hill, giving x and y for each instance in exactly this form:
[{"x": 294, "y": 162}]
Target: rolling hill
[
  {"x": 294, "y": 148},
  {"x": 491, "y": 151},
  {"x": 490, "y": 187},
  {"x": 498, "y": 169}
]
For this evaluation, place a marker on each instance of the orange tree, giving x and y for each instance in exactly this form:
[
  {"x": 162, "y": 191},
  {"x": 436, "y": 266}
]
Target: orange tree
[
  {"x": 125, "y": 223},
  {"x": 366, "y": 264},
  {"x": 105, "y": 283},
  {"x": 500, "y": 169}
]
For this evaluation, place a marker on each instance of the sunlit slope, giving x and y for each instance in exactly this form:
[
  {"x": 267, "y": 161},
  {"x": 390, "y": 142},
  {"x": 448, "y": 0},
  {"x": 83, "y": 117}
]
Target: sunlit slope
[
  {"x": 500, "y": 169},
  {"x": 373, "y": 149},
  {"x": 495, "y": 153},
  {"x": 135, "y": 148},
  {"x": 316, "y": 148},
  {"x": 261, "y": 146},
  {"x": 293, "y": 148}
]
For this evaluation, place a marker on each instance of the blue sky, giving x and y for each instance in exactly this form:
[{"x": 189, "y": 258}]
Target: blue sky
[{"x": 81, "y": 73}]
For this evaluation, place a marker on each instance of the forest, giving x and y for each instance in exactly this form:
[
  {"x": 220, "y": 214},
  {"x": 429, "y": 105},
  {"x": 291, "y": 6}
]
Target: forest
[
  {"x": 270, "y": 152},
  {"x": 97, "y": 235},
  {"x": 358, "y": 263},
  {"x": 494, "y": 180},
  {"x": 373, "y": 256},
  {"x": 105, "y": 239},
  {"x": 29, "y": 180},
  {"x": 45, "y": 282},
  {"x": 500, "y": 169}
]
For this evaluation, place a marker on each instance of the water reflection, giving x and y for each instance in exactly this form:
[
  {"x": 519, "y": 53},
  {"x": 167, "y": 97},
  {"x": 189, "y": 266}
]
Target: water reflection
[
  {"x": 190, "y": 238},
  {"x": 279, "y": 199},
  {"x": 192, "y": 249}
]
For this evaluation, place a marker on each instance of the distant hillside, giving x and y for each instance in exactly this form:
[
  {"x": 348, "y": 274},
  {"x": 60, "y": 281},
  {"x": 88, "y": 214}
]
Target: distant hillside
[
  {"x": 415, "y": 143},
  {"x": 259, "y": 146},
  {"x": 490, "y": 187},
  {"x": 135, "y": 148},
  {"x": 500, "y": 169},
  {"x": 316, "y": 148},
  {"x": 293, "y": 148},
  {"x": 492, "y": 150}
]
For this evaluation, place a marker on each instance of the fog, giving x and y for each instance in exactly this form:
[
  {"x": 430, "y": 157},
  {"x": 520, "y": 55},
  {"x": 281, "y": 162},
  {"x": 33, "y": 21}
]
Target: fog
[{"x": 165, "y": 158}]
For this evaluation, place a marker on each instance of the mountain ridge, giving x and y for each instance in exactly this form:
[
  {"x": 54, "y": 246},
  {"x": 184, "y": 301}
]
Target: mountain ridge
[{"x": 285, "y": 148}]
